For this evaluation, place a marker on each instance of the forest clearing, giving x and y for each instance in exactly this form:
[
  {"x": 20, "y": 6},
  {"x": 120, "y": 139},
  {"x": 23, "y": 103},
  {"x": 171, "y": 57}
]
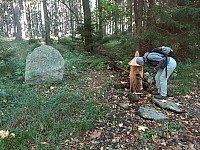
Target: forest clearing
[{"x": 91, "y": 106}]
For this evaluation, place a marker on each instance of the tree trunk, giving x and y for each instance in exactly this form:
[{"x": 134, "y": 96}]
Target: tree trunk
[
  {"x": 24, "y": 19},
  {"x": 47, "y": 23},
  {"x": 87, "y": 32},
  {"x": 138, "y": 11},
  {"x": 150, "y": 19},
  {"x": 100, "y": 20},
  {"x": 28, "y": 17},
  {"x": 130, "y": 21},
  {"x": 7, "y": 22},
  {"x": 56, "y": 19},
  {"x": 150, "y": 24},
  {"x": 116, "y": 18},
  {"x": 17, "y": 17},
  {"x": 72, "y": 22}
]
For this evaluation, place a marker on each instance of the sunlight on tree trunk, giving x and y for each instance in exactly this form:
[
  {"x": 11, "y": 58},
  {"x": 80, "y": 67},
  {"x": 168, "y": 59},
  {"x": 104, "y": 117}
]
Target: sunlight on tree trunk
[
  {"x": 24, "y": 20},
  {"x": 17, "y": 16}
]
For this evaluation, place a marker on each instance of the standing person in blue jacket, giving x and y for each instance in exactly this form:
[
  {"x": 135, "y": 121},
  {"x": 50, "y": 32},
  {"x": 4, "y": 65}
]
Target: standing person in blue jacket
[{"x": 164, "y": 65}]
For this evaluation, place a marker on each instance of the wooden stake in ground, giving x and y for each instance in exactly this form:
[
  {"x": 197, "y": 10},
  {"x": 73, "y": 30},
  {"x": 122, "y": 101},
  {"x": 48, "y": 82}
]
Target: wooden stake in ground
[{"x": 136, "y": 75}]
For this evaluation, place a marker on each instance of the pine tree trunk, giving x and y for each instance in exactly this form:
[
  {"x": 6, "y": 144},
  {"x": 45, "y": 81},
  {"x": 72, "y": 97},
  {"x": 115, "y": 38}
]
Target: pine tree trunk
[
  {"x": 24, "y": 20},
  {"x": 150, "y": 21},
  {"x": 56, "y": 19},
  {"x": 17, "y": 17},
  {"x": 6, "y": 18},
  {"x": 130, "y": 27},
  {"x": 87, "y": 32},
  {"x": 72, "y": 22},
  {"x": 138, "y": 11},
  {"x": 100, "y": 24},
  {"x": 47, "y": 23}
]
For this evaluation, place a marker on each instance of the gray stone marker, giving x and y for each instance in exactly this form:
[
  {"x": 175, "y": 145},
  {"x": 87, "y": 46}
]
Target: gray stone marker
[{"x": 43, "y": 64}]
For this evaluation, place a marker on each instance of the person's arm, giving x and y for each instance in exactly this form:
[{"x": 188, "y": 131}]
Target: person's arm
[{"x": 155, "y": 57}]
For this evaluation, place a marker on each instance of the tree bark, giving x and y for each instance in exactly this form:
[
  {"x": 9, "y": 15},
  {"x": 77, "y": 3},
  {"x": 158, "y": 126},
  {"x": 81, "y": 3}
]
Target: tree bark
[
  {"x": 7, "y": 20},
  {"x": 47, "y": 23},
  {"x": 138, "y": 11},
  {"x": 87, "y": 32},
  {"x": 72, "y": 22},
  {"x": 56, "y": 19},
  {"x": 17, "y": 17},
  {"x": 130, "y": 21},
  {"x": 100, "y": 20},
  {"x": 150, "y": 19}
]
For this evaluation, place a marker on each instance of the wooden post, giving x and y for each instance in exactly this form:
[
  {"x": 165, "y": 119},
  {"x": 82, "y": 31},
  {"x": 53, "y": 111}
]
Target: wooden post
[{"x": 136, "y": 75}]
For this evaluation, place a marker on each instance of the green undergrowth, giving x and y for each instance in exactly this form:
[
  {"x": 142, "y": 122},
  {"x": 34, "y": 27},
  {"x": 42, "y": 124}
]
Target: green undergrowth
[
  {"x": 50, "y": 113},
  {"x": 44, "y": 116},
  {"x": 185, "y": 78}
]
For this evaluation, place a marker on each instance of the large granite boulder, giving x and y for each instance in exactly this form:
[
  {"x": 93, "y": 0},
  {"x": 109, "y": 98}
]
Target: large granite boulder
[{"x": 43, "y": 64}]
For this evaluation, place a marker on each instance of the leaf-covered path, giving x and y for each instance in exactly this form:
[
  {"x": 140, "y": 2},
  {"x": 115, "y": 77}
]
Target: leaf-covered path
[{"x": 122, "y": 128}]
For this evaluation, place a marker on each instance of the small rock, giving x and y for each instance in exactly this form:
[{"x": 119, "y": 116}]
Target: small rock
[
  {"x": 133, "y": 98},
  {"x": 124, "y": 105}
]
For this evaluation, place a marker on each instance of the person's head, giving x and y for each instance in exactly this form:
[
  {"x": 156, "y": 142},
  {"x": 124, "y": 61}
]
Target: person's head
[{"x": 140, "y": 61}]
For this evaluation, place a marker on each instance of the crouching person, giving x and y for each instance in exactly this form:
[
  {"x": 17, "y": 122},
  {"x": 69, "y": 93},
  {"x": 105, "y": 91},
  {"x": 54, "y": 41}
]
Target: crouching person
[{"x": 162, "y": 61}]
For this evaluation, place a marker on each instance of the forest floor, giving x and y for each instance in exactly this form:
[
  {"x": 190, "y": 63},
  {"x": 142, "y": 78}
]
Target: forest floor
[
  {"x": 122, "y": 128},
  {"x": 62, "y": 113}
]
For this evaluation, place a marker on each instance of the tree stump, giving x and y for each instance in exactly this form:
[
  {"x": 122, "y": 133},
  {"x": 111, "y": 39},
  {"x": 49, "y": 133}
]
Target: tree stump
[{"x": 136, "y": 75}]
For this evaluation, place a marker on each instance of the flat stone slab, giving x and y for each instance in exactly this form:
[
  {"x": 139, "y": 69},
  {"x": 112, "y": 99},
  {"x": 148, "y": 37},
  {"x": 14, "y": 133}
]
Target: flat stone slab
[
  {"x": 168, "y": 104},
  {"x": 151, "y": 113}
]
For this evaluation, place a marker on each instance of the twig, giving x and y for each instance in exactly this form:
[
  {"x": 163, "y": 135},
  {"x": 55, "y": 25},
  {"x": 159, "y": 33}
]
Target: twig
[
  {"x": 120, "y": 68},
  {"x": 72, "y": 11}
]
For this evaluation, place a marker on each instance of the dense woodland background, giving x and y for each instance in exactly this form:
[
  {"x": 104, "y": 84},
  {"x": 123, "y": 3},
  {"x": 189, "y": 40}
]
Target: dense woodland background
[{"x": 137, "y": 24}]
